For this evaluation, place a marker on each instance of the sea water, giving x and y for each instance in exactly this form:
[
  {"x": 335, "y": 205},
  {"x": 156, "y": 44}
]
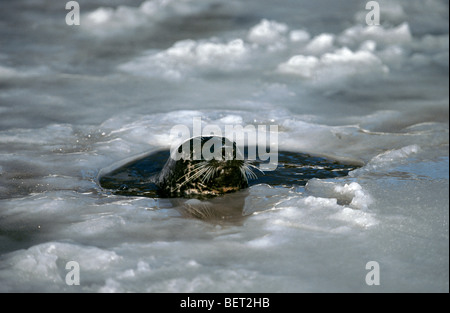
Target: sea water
[{"x": 75, "y": 100}]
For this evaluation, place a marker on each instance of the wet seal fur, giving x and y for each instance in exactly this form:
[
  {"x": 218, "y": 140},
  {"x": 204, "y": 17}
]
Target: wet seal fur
[{"x": 200, "y": 178}]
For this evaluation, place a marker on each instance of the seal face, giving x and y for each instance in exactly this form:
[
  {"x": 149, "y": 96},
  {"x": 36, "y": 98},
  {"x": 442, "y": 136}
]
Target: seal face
[{"x": 189, "y": 173}]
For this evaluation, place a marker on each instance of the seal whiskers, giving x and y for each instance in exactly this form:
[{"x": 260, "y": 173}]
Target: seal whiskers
[{"x": 247, "y": 170}]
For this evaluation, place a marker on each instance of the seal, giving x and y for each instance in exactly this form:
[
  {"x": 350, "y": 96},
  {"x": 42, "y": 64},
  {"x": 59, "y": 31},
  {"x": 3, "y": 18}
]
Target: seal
[{"x": 189, "y": 173}]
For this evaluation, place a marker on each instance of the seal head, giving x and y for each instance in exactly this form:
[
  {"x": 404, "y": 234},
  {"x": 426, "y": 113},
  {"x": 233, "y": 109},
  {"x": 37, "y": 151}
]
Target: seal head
[{"x": 204, "y": 167}]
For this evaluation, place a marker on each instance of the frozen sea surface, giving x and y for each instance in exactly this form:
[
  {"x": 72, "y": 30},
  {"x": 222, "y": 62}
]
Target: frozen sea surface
[{"x": 75, "y": 100}]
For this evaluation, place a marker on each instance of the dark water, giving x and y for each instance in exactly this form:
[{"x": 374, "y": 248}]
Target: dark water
[{"x": 294, "y": 169}]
